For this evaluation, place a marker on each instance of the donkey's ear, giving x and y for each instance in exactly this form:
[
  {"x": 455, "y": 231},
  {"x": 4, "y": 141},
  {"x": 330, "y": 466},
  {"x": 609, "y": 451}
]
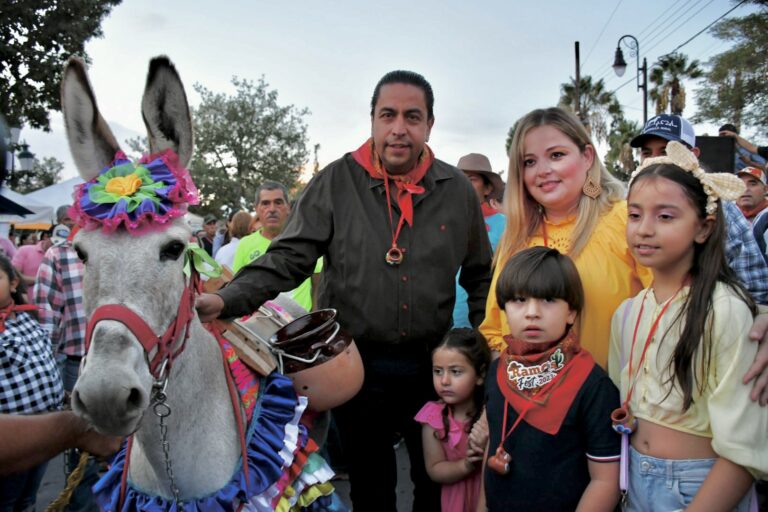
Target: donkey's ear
[
  {"x": 91, "y": 141},
  {"x": 165, "y": 110}
]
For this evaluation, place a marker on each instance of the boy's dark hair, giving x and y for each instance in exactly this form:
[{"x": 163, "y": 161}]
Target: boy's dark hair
[
  {"x": 541, "y": 273},
  {"x": 21, "y": 289},
  {"x": 409, "y": 78},
  {"x": 472, "y": 345},
  {"x": 709, "y": 267}
]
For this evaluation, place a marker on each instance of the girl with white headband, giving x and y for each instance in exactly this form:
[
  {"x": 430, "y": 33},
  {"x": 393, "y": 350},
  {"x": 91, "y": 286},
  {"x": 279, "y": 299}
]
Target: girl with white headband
[{"x": 696, "y": 439}]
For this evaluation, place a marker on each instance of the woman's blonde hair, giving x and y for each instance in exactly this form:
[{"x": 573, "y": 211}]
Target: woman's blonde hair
[{"x": 524, "y": 214}]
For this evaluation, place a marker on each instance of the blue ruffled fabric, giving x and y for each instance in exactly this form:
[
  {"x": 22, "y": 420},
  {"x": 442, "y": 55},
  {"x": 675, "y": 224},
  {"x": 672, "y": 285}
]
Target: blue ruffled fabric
[{"x": 268, "y": 441}]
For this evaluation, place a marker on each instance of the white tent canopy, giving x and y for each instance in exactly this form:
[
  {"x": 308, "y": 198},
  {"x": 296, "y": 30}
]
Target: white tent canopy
[
  {"x": 42, "y": 211},
  {"x": 58, "y": 194}
]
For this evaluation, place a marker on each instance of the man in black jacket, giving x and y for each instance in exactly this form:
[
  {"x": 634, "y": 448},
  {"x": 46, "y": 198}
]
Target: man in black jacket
[{"x": 394, "y": 225}]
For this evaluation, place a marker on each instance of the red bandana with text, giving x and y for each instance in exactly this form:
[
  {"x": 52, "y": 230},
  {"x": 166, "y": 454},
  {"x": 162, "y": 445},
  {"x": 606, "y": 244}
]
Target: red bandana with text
[{"x": 525, "y": 368}]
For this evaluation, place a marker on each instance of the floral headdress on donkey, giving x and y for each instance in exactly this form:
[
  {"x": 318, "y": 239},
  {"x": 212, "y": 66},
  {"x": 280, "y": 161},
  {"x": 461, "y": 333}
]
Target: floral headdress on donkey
[{"x": 145, "y": 196}]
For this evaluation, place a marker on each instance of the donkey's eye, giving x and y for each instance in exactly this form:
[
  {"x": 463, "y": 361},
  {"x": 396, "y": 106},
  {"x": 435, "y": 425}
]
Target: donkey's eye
[
  {"x": 81, "y": 254},
  {"x": 171, "y": 251}
]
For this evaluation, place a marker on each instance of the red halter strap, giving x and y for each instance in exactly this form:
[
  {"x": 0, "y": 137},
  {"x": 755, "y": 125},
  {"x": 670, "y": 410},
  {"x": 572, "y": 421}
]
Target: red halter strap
[{"x": 144, "y": 333}]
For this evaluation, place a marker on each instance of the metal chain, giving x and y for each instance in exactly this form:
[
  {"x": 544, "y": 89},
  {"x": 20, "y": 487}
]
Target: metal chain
[{"x": 162, "y": 411}]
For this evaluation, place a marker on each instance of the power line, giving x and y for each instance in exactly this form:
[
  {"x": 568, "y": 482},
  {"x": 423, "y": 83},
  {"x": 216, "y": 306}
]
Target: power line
[
  {"x": 674, "y": 30},
  {"x": 659, "y": 29},
  {"x": 601, "y": 33},
  {"x": 690, "y": 39},
  {"x": 707, "y": 27},
  {"x": 680, "y": 13},
  {"x": 602, "y": 70}
]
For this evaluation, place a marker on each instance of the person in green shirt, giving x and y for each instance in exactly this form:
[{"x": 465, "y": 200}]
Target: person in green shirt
[{"x": 273, "y": 208}]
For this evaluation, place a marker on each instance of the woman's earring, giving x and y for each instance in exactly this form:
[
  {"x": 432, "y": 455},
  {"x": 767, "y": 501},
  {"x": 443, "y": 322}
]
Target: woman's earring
[{"x": 591, "y": 187}]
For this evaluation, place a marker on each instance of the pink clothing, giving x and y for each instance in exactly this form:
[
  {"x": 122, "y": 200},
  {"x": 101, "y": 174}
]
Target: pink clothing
[
  {"x": 7, "y": 247},
  {"x": 459, "y": 496},
  {"x": 27, "y": 259}
]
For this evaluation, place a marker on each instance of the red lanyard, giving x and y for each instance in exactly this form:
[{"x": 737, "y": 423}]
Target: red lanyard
[
  {"x": 395, "y": 233},
  {"x": 647, "y": 340}
]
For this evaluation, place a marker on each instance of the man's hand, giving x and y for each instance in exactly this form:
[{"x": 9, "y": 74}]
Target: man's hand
[
  {"x": 759, "y": 369},
  {"x": 209, "y": 306},
  {"x": 97, "y": 444},
  {"x": 728, "y": 133}
]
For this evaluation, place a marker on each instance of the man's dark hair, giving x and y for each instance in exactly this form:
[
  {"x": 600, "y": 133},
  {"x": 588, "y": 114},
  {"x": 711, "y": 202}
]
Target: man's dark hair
[
  {"x": 271, "y": 185},
  {"x": 729, "y": 127},
  {"x": 409, "y": 78}
]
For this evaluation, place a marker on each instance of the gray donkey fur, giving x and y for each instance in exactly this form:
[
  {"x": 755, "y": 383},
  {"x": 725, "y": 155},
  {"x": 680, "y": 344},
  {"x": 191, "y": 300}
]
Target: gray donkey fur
[{"x": 113, "y": 391}]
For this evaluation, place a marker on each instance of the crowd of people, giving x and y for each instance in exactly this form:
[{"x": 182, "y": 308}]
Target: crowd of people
[{"x": 563, "y": 341}]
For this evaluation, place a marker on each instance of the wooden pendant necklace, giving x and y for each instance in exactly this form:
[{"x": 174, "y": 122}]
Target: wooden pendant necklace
[{"x": 395, "y": 254}]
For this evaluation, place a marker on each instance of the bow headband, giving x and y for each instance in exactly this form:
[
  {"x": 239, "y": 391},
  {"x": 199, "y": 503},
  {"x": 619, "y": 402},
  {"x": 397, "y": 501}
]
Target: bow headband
[{"x": 717, "y": 185}]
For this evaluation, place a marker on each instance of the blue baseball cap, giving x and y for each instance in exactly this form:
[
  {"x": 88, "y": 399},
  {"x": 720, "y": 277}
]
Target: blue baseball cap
[{"x": 667, "y": 127}]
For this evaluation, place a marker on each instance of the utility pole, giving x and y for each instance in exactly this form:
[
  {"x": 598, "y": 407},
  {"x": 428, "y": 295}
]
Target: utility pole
[{"x": 577, "y": 90}]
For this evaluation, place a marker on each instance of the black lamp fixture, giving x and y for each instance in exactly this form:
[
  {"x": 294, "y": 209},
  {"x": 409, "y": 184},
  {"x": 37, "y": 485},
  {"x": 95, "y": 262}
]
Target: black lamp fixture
[
  {"x": 18, "y": 150},
  {"x": 620, "y": 67}
]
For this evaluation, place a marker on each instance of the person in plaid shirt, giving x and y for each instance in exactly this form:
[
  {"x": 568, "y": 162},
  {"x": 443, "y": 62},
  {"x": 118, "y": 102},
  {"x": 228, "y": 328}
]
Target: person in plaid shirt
[
  {"x": 29, "y": 380},
  {"x": 58, "y": 292}
]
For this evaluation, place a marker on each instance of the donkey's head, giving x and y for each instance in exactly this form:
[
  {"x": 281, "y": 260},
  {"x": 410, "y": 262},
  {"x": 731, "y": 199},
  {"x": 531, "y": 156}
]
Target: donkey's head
[{"x": 142, "y": 273}]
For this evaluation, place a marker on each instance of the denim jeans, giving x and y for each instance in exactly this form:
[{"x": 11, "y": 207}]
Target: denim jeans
[
  {"x": 666, "y": 485},
  {"x": 18, "y": 491}
]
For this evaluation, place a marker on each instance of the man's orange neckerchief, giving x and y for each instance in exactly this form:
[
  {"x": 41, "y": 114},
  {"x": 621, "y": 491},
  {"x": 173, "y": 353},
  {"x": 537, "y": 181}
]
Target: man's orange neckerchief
[{"x": 407, "y": 185}]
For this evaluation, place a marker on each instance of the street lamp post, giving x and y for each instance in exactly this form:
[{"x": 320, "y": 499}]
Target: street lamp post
[
  {"x": 620, "y": 66},
  {"x": 20, "y": 149}
]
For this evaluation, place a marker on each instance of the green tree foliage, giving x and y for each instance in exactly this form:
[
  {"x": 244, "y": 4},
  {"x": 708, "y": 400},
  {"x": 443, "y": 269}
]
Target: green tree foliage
[
  {"x": 242, "y": 140},
  {"x": 597, "y": 107},
  {"x": 736, "y": 90},
  {"x": 44, "y": 173},
  {"x": 667, "y": 75},
  {"x": 36, "y": 37},
  {"x": 620, "y": 159}
]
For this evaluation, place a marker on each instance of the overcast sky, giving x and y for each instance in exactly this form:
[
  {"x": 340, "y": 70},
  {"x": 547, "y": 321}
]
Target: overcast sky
[{"x": 489, "y": 62}]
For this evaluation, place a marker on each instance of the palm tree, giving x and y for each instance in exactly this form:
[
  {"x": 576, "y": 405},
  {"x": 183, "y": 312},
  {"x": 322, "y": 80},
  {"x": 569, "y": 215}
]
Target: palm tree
[
  {"x": 620, "y": 159},
  {"x": 667, "y": 76},
  {"x": 597, "y": 107}
]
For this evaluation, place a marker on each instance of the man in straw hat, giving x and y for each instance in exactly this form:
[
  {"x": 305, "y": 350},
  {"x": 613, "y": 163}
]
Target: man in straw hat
[{"x": 488, "y": 186}]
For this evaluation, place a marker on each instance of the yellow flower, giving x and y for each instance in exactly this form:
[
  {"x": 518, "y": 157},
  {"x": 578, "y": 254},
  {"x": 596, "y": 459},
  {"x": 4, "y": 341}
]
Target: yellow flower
[{"x": 123, "y": 185}]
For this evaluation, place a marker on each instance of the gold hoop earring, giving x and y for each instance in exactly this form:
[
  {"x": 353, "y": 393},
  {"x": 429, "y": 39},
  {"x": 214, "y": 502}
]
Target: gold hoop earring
[{"x": 591, "y": 187}]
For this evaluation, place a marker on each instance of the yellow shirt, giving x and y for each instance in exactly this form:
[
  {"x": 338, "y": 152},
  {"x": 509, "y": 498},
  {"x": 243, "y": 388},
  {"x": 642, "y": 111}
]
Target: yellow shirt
[
  {"x": 723, "y": 411},
  {"x": 608, "y": 274}
]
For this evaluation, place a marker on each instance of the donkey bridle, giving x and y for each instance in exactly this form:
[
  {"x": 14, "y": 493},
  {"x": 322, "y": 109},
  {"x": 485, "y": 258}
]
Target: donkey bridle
[{"x": 161, "y": 362}]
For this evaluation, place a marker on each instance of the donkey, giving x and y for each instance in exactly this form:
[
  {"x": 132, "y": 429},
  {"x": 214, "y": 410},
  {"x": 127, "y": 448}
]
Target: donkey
[{"x": 196, "y": 448}]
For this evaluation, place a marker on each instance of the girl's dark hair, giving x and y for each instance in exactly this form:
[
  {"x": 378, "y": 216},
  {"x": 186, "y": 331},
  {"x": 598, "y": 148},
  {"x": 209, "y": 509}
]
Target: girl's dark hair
[
  {"x": 541, "y": 273},
  {"x": 472, "y": 345},
  {"x": 5, "y": 266},
  {"x": 709, "y": 267}
]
